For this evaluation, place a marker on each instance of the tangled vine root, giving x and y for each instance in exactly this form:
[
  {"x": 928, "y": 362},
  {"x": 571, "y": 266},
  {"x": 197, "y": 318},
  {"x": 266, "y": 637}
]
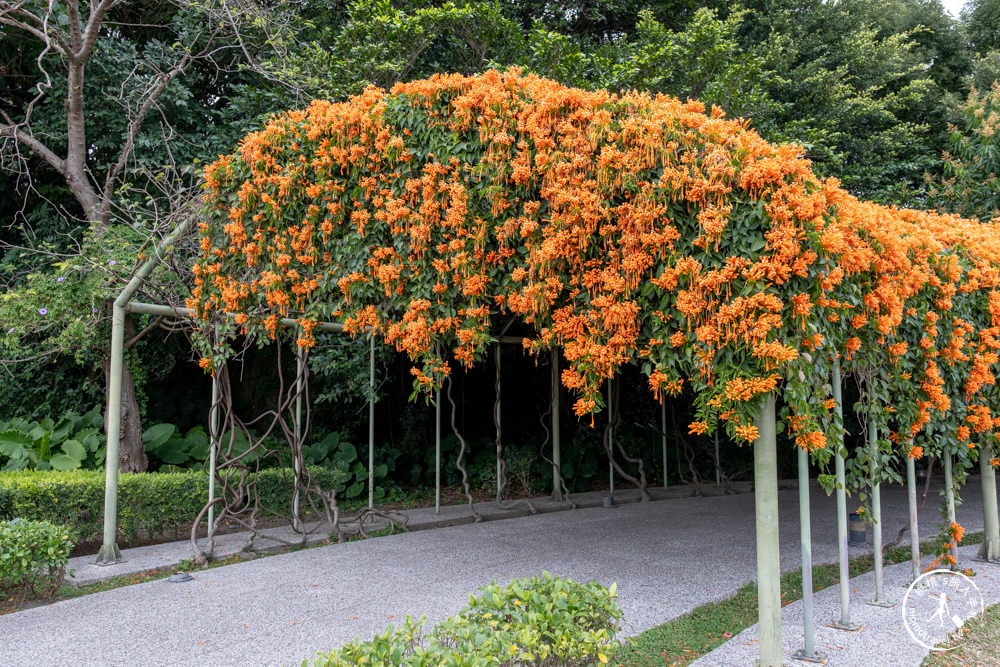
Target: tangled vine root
[
  {"x": 541, "y": 451},
  {"x": 501, "y": 464},
  {"x": 613, "y": 423},
  {"x": 461, "y": 455},
  {"x": 237, "y": 504}
]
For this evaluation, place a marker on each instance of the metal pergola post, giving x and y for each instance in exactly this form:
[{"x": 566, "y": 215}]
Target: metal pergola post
[
  {"x": 296, "y": 459},
  {"x": 808, "y": 652},
  {"x": 611, "y": 443},
  {"x": 371, "y": 421},
  {"x": 949, "y": 495},
  {"x": 437, "y": 454},
  {"x": 911, "y": 494},
  {"x": 765, "y": 472},
  {"x": 876, "y": 469},
  {"x": 990, "y": 549},
  {"x": 556, "y": 442},
  {"x": 844, "y": 623},
  {"x": 109, "y": 553},
  {"x": 718, "y": 468},
  {"x": 496, "y": 417},
  {"x": 663, "y": 438},
  {"x": 213, "y": 447}
]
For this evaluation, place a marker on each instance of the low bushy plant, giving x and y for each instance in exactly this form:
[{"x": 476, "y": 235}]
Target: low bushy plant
[
  {"x": 33, "y": 557},
  {"x": 539, "y": 622}
]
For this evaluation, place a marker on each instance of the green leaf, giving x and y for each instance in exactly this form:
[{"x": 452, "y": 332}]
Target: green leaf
[
  {"x": 74, "y": 450},
  {"x": 15, "y": 444},
  {"x": 157, "y": 434},
  {"x": 197, "y": 443},
  {"x": 63, "y": 462},
  {"x": 346, "y": 453},
  {"x": 173, "y": 451}
]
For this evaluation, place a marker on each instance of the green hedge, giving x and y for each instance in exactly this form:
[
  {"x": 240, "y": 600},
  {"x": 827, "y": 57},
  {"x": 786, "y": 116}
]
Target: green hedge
[
  {"x": 149, "y": 504},
  {"x": 33, "y": 557}
]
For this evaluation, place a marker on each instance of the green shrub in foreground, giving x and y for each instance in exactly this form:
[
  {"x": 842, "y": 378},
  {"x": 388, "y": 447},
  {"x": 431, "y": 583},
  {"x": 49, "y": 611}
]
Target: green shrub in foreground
[
  {"x": 149, "y": 504},
  {"x": 539, "y": 621},
  {"x": 33, "y": 557}
]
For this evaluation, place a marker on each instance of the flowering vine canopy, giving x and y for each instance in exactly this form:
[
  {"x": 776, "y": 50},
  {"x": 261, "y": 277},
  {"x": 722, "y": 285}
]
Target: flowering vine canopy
[{"x": 623, "y": 228}]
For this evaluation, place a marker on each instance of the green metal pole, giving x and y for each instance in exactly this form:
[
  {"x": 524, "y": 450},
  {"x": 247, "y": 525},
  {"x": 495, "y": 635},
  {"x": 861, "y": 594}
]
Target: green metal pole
[
  {"x": 437, "y": 449},
  {"x": 911, "y": 488},
  {"x": 496, "y": 416},
  {"x": 296, "y": 464},
  {"x": 808, "y": 652},
  {"x": 437, "y": 455},
  {"x": 949, "y": 494},
  {"x": 611, "y": 443},
  {"x": 213, "y": 436},
  {"x": 556, "y": 441},
  {"x": 879, "y": 600},
  {"x": 663, "y": 439},
  {"x": 765, "y": 472},
  {"x": 990, "y": 549},
  {"x": 371, "y": 421},
  {"x": 718, "y": 470},
  {"x": 845, "y": 573},
  {"x": 109, "y": 553}
]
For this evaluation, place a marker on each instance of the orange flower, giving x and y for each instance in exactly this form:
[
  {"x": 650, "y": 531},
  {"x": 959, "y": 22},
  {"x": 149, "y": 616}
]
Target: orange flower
[
  {"x": 698, "y": 428},
  {"x": 916, "y": 452}
]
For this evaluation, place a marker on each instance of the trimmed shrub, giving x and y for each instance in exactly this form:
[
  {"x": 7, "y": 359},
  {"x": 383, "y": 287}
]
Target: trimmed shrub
[
  {"x": 33, "y": 557},
  {"x": 149, "y": 504},
  {"x": 539, "y": 621}
]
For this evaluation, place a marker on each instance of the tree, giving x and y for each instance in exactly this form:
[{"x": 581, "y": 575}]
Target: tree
[
  {"x": 982, "y": 24},
  {"x": 105, "y": 118}
]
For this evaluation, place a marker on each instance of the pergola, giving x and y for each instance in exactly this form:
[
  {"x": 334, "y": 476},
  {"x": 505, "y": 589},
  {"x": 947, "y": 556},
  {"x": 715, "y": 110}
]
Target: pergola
[
  {"x": 765, "y": 479},
  {"x": 784, "y": 207}
]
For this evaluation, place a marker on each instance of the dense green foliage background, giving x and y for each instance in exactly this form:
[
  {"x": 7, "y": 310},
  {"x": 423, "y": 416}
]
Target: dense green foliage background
[{"x": 875, "y": 91}]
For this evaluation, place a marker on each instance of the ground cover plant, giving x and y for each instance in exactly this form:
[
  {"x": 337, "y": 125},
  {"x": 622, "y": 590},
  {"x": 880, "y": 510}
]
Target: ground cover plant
[
  {"x": 538, "y": 621},
  {"x": 978, "y": 645}
]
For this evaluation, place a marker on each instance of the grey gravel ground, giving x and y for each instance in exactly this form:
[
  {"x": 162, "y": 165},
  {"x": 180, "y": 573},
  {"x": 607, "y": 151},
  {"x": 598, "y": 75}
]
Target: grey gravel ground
[
  {"x": 882, "y": 638},
  {"x": 171, "y": 554},
  {"x": 667, "y": 558}
]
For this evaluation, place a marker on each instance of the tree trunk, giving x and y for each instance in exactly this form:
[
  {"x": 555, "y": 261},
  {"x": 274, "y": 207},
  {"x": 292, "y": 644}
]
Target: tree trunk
[{"x": 131, "y": 457}]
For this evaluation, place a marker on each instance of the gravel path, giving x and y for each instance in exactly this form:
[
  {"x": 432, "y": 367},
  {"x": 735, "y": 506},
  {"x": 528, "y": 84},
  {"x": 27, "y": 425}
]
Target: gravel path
[{"x": 667, "y": 558}]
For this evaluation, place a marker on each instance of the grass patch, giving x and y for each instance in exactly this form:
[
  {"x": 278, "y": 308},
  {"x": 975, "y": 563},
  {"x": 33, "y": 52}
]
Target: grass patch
[
  {"x": 688, "y": 637},
  {"x": 980, "y": 643}
]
